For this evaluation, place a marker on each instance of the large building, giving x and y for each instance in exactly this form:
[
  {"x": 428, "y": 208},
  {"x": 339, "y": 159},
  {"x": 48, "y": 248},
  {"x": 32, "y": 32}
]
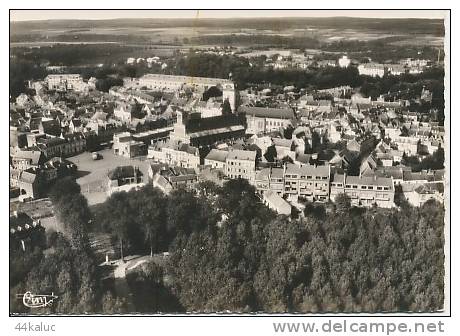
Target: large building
[
  {"x": 216, "y": 159},
  {"x": 124, "y": 145},
  {"x": 174, "y": 83},
  {"x": 241, "y": 164},
  {"x": 63, "y": 146},
  {"x": 206, "y": 131},
  {"x": 308, "y": 182},
  {"x": 364, "y": 190},
  {"x": 372, "y": 69},
  {"x": 261, "y": 120},
  {"x": 64, "y": 82},
  {"x": 175, "y": 153}
]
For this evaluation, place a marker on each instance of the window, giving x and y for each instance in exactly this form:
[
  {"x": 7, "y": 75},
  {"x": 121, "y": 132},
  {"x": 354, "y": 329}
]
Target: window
[
  {"x": 309, "y": 177},
  {"x": 355, "y": 187},
  {"x": 379, "y": 188},
  {"x": 348, "y": 186},
  {"x": 386, "y": 188}
]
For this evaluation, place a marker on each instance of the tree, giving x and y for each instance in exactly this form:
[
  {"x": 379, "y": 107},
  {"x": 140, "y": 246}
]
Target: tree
[
  {"x": 343, "y": 203},
  {"x": 117, "y": 218},
  {"x": 72, "y": 211},
  {"x": 184, "y": 213},
  {"x": 151, "y": 215},
  {"x": 226, "y": 108},
  {"x": 213, "y": 91},
  {"x": 113, "y": 305}
]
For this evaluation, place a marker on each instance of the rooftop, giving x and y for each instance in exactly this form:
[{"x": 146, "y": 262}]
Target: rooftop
[
  {"x": 267, "y": 112},
  {"x": 217, "y": 155},
  {"x": 238, "y": 154},
  {"x": 186, "y": 79},
  {"x": 370, "y": 180},
  {"x": 308, "y": 170},
  {"x": 124, "y": 172}
]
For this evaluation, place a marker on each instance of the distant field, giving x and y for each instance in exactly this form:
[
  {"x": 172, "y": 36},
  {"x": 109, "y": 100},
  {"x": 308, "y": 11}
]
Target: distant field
[{"x": 183, "y": 31}]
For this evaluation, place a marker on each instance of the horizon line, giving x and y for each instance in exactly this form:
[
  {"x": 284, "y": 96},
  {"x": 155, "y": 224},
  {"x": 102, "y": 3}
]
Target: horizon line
[{"x": 231, "y": 18}]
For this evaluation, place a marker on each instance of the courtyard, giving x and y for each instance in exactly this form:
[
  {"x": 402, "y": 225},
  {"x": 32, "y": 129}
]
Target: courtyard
[{"x": 92, "y": 174}]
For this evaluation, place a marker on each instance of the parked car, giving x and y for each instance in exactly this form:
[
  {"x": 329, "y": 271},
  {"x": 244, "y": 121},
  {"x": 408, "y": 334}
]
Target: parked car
[{"x": 96, "y": 156}]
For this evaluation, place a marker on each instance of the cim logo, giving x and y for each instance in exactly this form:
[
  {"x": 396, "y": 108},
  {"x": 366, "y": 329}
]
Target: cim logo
[{"x": 37, "y": 300}]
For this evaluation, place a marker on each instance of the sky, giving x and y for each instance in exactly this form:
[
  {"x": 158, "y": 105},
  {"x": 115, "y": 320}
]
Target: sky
[{"x": 25, "y": 15}]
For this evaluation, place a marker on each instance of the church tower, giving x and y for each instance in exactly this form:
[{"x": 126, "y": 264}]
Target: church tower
[{"x": 228, "y": 92}]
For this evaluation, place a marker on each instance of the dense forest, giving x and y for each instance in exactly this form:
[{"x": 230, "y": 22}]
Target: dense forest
[{"x": 228, "y": 252}]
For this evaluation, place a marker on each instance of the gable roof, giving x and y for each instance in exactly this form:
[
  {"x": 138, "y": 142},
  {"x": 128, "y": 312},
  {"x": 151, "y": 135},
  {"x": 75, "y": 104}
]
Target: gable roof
[
  {"x": 217, "y": 155},
  {"x": 238, "y": 154},
  {"x": 32, "y": 155},
  {"x": 123, "y": 172},
  {"x": 267, "y": 112}
]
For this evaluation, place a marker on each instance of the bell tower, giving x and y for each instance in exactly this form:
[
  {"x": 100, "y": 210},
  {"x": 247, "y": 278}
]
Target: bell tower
[{"x": 228, "y": 92}]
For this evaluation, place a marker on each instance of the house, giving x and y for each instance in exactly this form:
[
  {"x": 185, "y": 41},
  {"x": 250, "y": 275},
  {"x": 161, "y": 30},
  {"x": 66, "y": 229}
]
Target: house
[
  {"x": 364, "y": 190},
  {"x": 212, "y": 174},
  {"x": 417, "y": 194},
  {"x": 270, "y": 179},
  {"x": 55, "y": 168},
  {"x": 216, "y": 159},
  {"x": 241, "y": 164},
  {"x": 124, "y": 112},
  {"x": 303, "y": 159},
  {"x": 28, "y": 184},
  {"x": 372, "y": 69},
  {"x": 175, "y": 153},
  {"x": 50, "y": 127},
  {"x": 75, "y": 125},
  {"x": 344, "y": 61},
  {"x": 25, "y": 159},
  {"x": 124, "y": 145},
  {"x": 124, "y": 178},
  {"x": 211, "y": 108},
  {"x": 309, "y": 182},
  {"x": 63, "y": 146},
  {"x": 369, "y": 164},
  {"x": 168, "y": 178},
  {"x": 276, "y": 203},
  {"x": 408, "y": 145},
  {"x": 21, "y": 227},
  {"x": 396, "y": 69},
  {"x": 319, "y": 106},
  {"x": 261, "y": 120}
]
